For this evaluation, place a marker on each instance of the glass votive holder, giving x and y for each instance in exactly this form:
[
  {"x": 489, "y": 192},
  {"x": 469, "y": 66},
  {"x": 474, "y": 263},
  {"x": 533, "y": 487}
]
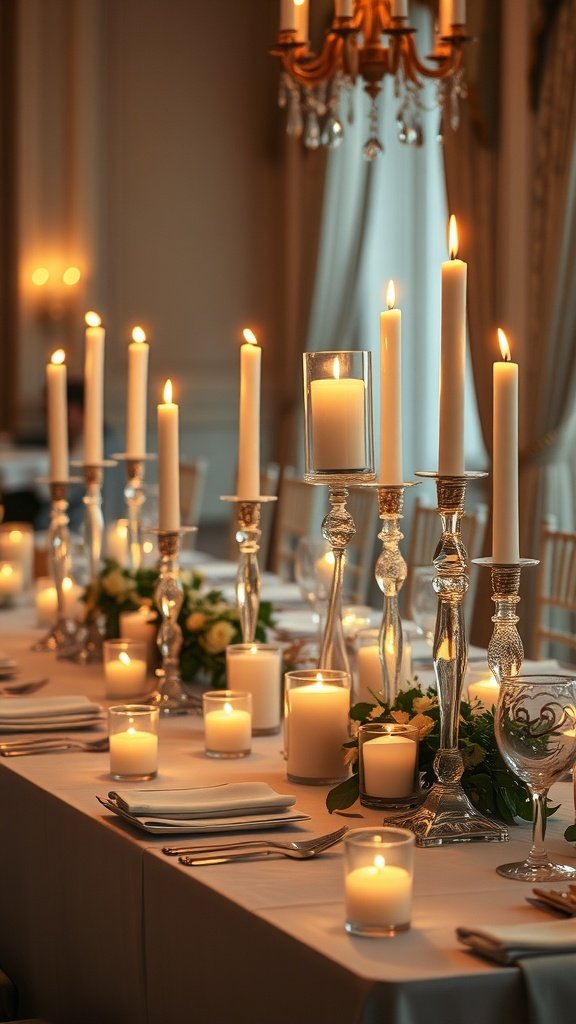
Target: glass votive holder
[
  {"x": 338, "y": 416},
  {"x": 125, "y": 668},
  {"x": 257, "y": 669},
  {"x": 227, "y": 723},
  {"x": 317, "y": 706},
  {"x": 11, "y": 582},
  {"x": 17, "y": 545},
  {"x": 46, "y": 601},
  {"x": 388, "y": 765},
  {"x": 379, "y": 871},
  {"x": 133, "y": 735}
]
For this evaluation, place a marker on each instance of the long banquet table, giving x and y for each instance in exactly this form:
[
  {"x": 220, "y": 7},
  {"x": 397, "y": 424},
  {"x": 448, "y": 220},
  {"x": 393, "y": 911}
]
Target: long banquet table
[{"x": 97, "y": 924}]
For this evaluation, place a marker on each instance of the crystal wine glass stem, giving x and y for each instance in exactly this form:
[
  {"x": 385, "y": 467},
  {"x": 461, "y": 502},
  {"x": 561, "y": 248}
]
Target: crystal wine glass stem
[
  {"x": 390, "y": 575},
  {"x": 135, "y": 498},
  {"x": 93, "y": 520},
  {"x": 338, "y": 530},
  {"x": 538, "y": 853},
  {"x": 248, "y": 575}
]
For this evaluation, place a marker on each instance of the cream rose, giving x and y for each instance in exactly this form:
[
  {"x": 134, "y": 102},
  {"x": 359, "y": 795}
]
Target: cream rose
[{"x": 218, "y": 637}]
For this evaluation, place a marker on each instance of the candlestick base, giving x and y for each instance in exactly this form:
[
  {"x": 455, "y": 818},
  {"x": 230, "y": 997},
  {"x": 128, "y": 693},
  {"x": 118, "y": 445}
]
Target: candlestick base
[
  {"x": 62, "y": 635},
  {"x": 505, "y": 649},
  {"x": 248, "y": 574},
  {"x": 134, "y": 497},
  {"x": 447, "y": 816},
  {"x": 170, "y": 696}
]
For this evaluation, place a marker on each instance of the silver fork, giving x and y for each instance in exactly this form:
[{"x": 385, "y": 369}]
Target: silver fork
[
  {"x": 301, "y": 849},
  {"x": 20, "y": 748}
]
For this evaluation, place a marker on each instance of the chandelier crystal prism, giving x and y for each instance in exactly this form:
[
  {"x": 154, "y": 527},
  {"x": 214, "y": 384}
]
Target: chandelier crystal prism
[{"x": 367, "y": 39}]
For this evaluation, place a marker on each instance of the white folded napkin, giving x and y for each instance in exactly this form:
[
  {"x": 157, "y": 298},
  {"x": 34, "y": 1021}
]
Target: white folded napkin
[
  {"x": 215, "y": 801},
  {"x": 508, "y": 944},
  {"x": 26, "y": 708}
]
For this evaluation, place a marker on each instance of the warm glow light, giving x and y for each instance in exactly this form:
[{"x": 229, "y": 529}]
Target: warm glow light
[
  {"x": 71, "y": 275},
  {"x": 228, "y": 708},
  {"x": 504, "y": 346},
  {"x": 453, "y": 237},
  {"x": 138, "y": 334},
  {"x": 67, "y": 583},
  {"x": 249, "y": 336},
  {"x": 7, "y": 570},
  {"x": 253, "y": 650},
  {"x": 147, "y": 547},
  {"x": 390, "y": 295},
  {"x": 92, "y": 319},
  {"x": 168, "y": 392},
  {"x": 40, "y": 276},
  {"x": 58, "y": 357},
  {"x": 336, "y": 369},
  {"x": 379, "y": 862},
  {"x": 299, "y": 3},
  {"x": 124, "y": 658},
  {"x": 15, "y": 535},
  {"x": 319, "y": 681}
]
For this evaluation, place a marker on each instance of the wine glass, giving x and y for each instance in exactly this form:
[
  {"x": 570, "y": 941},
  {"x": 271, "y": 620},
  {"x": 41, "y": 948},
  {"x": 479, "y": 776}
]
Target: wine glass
[
  {"x": 536, "y": 735},
  {"x": 423, "y": 601},
  {"x": 313, "y": 571}
]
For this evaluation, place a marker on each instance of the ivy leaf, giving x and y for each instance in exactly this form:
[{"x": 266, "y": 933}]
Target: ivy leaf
[
  {"x": 570, "y": 834},
  {"x": 343, "y": 795}
]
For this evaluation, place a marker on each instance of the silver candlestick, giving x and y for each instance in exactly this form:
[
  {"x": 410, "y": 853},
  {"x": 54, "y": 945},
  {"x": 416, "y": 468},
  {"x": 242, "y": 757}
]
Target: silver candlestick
[
  {"x": 62, "y": 635},
  {"x": 248, "y": 574},
  {"x": 134, "y": 496},
  {"x": 170, "y": 695},
  {"x": 447, "y": 815},
  {"x": 505, "y": 649}
]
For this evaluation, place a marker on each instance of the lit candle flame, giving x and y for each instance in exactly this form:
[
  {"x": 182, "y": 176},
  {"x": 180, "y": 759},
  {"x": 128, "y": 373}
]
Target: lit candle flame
[
  {"x": 138, "y": 334},
  {"x": 15, "y": 535},
  {"x": 453, "y": 237},
  {"x": 92, "y": 319},
  {"x": 124, "y": 658},
  {"x": 67, "y": 583},
  {"x": 390, "y": 295},
  {"x": 228, "y": 709},
  {"x": 249, "y": 336},
  {"x": 58, "y": 357},
  {"x": 379, "y": 862},
  {"x": 336, "y": 369},
  {"x": 168, "y": 392},
  {"x": 504, "y": 346},
  {"x": 253, "y": 650}
]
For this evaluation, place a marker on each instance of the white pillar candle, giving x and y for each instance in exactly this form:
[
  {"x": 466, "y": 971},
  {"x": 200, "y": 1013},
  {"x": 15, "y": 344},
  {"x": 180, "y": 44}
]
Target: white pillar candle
[
  {"x": 452, "y": 362},
  {"x": 399, "y": 8},
  {"x": 505, "y": 526},
  {"x": 17, "y": 545},
  {"x": 125, "y": 676},
  {"x": 390, "y": 392},
  {"x": 133, "y": 752},
  {"x": 378, "y": 895},
  {"x": 287, "y": 15},
  {"x": 94, "y": 337},
  {"x": 228, "y": 730},
  {"x": 57, "y": 416},
  {"x": 248, "y": 485},
  {"x": 317, "y": 727},
  {"x": 71, "y": 598},
  {"x": 257, "y": 670},
  {"x": 117, "y": 541},
  {"x": 301, "y": 9},
  {"x": 135, "y": 626},
  {"x": 486, "y": 691},
  {"x": 46, "y": 600},
  {"x": 389, "y": 766},
  {"x": 138, "y": 350},
  {"x": 458, "y": 12},
  {"x": 370, "y": 678},
  {"x": 337, "y": 407},
  {"x": 168, "y": 463},
  {"x": 11, "y": 580}
]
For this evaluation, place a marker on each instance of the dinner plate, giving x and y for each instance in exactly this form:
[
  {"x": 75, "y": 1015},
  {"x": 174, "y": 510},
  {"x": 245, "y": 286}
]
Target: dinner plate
[
  {"x": 49, "y": 724},
  {"x": 175, "y": 826}
]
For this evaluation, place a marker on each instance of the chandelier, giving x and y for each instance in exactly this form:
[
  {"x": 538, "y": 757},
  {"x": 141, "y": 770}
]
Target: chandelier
[{"x": 367, "y": 39}]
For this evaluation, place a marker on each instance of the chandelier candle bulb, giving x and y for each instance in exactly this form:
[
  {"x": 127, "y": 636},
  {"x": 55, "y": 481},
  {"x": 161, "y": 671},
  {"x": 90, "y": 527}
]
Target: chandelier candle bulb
[
  {"x": 338, "y": 412},
  {"x": 227, "y": 723},
  {"x": 256, "y": 669},
  {"x": 168, "y": 463},
  {"x": 56, "y": 378},
  {"x": 390, "y": 392},
  {"x": 248, "y": 486},
  {"x": 302, "y": 12},
  {"x": 94, "y": 339},
  {"x": 138, "y": 351},
  {"x": 452, "y": 361},
  {"x": 505, "y": 525}
]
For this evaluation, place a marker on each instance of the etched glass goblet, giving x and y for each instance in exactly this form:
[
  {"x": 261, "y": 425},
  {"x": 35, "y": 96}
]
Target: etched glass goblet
[{"x": 535, "y": 727}]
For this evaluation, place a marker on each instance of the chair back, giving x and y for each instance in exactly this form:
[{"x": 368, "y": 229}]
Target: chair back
[
  {"x": 192, "y": 482},
  {"x": 555, "y": 620},
  {"x": 361, "y": 551},
  {"x": 297, "y": 515}
]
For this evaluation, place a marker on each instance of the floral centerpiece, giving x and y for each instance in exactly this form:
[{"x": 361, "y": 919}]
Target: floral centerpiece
[
  {"x": 487, "y": 781},
  {"x": 208, "y": 622}
]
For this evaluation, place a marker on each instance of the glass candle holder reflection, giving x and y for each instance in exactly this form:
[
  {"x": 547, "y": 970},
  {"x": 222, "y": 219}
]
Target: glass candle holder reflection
[
  {"x": 317, "y": 706},
  {"x": 11, "y": 582},
  {"x": 17, "y": 545},
  {"x": 379, "y": 869},
  {"x": 133, "y": 734},
  {"x": 338, "y": 415},
  {"x": 388, "y": 765},
  {"x": 257, "y": 669},
  {"x": 125, "y": 668},
  {"x": 227, "y": 723}
]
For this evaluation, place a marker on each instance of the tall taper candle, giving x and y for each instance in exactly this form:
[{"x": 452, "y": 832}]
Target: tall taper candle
[
  {"x": 505, "y": 542},
  {"x": 56, "y": 377},
  {"x": 390, "y": 392},
  {"x": 452, "y": 361},
  {"x": 137, "y": 393},
  {"x": 248, "y": 486},
  {"x": 168, "y": 463},
  {"x": 93, "y": 389}
]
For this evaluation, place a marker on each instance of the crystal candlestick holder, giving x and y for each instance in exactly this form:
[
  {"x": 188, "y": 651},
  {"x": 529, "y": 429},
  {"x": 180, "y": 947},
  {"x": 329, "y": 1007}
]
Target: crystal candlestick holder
[
  {"x": 248, "y": 574},
  {"x": 447, "y": 815},
  {"x": 505, "y": 649},
  {"x": 62, "y": 635},
  {"x": 339, "y": 452},
  {"x": 390, "y": 574},
  {"x": 170, "y": 696},
  {"x": 134, "y": 497}
]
